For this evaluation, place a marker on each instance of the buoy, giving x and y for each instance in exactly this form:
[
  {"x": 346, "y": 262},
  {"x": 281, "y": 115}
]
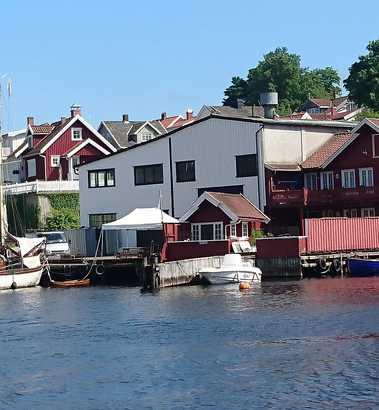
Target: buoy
[
  {"x": 100, "y": 270},
  {"x": 245, "y": 285},
  {"x": 14, "y": 285}
]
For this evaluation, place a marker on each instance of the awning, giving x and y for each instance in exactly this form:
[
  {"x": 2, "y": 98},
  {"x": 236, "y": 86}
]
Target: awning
[{"x": 141, "y": 219}]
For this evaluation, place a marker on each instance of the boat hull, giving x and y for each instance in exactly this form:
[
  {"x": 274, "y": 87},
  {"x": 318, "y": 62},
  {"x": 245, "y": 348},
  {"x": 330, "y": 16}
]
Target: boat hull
[
  {"x": 363, "y": 267},
  {"x": 224, "y": 276},
  {"x": 20, "y": 278}
]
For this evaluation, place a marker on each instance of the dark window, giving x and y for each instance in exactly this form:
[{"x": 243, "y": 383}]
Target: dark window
[
  {"x": 96, "y": 220},
  {"x": 185, "y": 171},
  {"x": 15, "y": 172},
  {"x": 206, "y": 232},
  {"x": 232, "y": 189},
  {"x": 246, "y": 165},
  {"x": 148, "y": 174},
  {"x": 101, "y": 178}
]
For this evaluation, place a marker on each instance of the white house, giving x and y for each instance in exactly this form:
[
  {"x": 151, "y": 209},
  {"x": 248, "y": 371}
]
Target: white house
[{"x": 214, "y": 153}]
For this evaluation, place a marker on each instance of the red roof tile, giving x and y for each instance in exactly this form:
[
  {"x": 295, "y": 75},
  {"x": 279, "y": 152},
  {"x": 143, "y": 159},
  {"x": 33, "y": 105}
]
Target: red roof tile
[
  {"x": 42, "y": 129},
  {"x": 326, "y": 151},
  {"x": 240, "y": 206}
]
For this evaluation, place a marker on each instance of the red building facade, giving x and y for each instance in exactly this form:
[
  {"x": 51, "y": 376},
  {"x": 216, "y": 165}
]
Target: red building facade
[{"x": 340, "y": 179}]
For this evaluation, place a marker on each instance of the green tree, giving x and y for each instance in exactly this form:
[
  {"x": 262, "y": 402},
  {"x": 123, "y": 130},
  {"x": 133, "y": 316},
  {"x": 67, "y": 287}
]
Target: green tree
[
  {"x": 363, "y": 80},
  {"x": 281, "y": 71}
]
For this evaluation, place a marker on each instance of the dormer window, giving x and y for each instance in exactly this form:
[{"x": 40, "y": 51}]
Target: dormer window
[
  {"x": 76, "y": 134},
  {"x": 55, "y": 161}
]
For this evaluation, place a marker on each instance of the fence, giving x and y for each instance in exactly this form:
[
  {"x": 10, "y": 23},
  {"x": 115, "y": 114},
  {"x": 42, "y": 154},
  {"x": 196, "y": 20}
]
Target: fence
[{"x": 41, "y": 187}]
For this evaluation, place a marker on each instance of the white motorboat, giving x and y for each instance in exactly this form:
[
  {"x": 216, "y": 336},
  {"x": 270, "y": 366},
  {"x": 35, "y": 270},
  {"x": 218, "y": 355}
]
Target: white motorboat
[{"x": 232, "y": 270}]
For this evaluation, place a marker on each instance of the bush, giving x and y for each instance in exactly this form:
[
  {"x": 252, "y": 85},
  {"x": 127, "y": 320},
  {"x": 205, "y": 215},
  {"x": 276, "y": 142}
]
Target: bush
[
  {"x": 255, "y": 234},
  {"x": 63, "y": 219}
]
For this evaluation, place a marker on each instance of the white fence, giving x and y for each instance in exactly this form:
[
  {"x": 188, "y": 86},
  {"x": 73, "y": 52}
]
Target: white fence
[{"x": 41, "y": 187}]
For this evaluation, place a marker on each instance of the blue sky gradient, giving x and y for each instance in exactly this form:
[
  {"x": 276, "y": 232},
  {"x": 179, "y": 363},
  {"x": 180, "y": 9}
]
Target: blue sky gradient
[{"x": 146, "y": 57}]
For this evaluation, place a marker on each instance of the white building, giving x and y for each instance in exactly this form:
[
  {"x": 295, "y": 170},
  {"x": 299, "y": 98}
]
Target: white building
[{"x": 216, "y": 153}]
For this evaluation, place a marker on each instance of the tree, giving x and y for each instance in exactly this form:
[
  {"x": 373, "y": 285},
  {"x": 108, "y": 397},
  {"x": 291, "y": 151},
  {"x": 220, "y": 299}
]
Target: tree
[
  {"x": 363, "y": 80},
  {"x": 281, "y": 71}
]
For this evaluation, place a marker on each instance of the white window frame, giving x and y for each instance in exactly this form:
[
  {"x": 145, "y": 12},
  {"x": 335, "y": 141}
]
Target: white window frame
[
  {"x": 52, "y": 163},
  {"x": 311, "y": 174},
  {"x": 146, "y": 136},
  {"x": 348, "y": 171},
  {"x": 197, "y": 226},
  {"x": 31, "y": 165},
  {"x": 328, "y": 177},
  {"x": 370, "y": 211},
  {"x": 366, "y": 170},
  {"x": 73, "y": 130},
  {"x": 233, "y": 230},
  {"x": 245, "y": 229},
  {"x": 374, "y": 154}
]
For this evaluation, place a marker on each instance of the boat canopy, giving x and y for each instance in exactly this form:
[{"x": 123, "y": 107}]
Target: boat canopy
[
  {"x": 27, "y": 244},
  {"x": 141, "y": 219}
]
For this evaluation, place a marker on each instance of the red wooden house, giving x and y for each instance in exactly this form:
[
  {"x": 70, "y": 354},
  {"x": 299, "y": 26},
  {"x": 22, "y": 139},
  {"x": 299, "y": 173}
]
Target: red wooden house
[
  {"x": 340, "y": 179},
  {"x": 213, "y": 223},
  {"x": 53, "y": 151}
]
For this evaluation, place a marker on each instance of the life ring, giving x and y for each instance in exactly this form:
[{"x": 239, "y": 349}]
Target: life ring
[
  {"x": 337, "y": 265},
  {"x": 322, "y": 264},
  {"x": 100, "y": 270}
]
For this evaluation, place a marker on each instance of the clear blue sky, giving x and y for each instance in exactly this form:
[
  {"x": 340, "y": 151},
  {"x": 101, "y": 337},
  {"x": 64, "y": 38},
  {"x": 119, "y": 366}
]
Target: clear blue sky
[{"x": 144, "y": 57}]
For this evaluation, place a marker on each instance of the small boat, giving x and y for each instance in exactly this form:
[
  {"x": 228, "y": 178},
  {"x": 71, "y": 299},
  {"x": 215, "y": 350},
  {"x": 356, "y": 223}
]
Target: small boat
[
  {"x": 363, "y": 267},
  {"x": 232, "y": 270},
  {"x": 80, "y": 283}
]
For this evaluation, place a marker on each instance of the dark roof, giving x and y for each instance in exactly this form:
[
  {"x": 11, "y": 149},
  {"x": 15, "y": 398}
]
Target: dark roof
[
  {"x": 240, "y": 206},
  {"x": 243, "y": 111},
  {"x": 327, "y": 151},
  {"x": 121, "y": 130}
]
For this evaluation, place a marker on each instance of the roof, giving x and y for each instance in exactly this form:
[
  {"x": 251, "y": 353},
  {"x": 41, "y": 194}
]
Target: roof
[
  {"x": 235, "y": 206},
  {"x": 141, "y": 219},
  {"x": 18, "y": 151},
  {"x": 323, "y": 155},
  {"x": 42, "y": 129},
  {"x": 243, "y": 111},
  {"x": 327, "y": 102},
  {"x": 276, "y": 166}
]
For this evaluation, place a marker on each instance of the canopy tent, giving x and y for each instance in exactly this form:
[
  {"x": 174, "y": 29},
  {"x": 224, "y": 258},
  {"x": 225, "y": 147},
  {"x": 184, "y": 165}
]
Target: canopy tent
[{"x": 141, "y": 219}]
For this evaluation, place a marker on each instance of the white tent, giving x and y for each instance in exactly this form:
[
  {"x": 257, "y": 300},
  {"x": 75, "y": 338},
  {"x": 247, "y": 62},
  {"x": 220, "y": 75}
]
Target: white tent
[{"x": 141, "y": 219}]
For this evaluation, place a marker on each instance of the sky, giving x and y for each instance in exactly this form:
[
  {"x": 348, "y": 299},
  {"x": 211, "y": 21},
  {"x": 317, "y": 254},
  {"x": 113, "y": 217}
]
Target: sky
[{"x": 146, "y": 57}]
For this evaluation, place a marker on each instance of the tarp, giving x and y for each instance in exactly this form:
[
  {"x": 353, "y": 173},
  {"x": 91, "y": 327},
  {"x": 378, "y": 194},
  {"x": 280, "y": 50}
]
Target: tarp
[
  {"x": 26, "y": 244},
  {"x": 141, "y": 219}
]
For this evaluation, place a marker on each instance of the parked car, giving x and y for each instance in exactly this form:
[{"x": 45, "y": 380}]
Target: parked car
[{"x": 56, "y": 243}]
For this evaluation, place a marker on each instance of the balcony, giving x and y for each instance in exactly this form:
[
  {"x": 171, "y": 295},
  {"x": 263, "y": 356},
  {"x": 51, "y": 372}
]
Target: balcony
[
  {"x": 40, "y": 187},
  {"x": 354, "y": 197}
]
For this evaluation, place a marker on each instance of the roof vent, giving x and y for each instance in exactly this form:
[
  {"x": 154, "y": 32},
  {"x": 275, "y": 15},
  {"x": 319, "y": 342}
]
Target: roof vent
[{"x": 269, "y": 102}]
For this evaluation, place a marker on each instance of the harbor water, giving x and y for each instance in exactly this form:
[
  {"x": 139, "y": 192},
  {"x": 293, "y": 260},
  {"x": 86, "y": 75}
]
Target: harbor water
[{"x": 283, "y": 345}]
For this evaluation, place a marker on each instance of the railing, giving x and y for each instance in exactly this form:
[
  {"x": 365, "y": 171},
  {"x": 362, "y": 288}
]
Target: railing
[
  {"x": 41, "y": 187},
  {"x": 304, "y": 197}
]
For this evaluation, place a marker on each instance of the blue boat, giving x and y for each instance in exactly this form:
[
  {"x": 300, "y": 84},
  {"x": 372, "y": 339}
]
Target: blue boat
[{"x": 363, "y": 267}]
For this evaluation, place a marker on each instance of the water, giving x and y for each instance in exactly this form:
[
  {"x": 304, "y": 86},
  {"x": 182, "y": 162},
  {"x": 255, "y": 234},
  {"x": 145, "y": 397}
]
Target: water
[{"x": 308, "y": 344}]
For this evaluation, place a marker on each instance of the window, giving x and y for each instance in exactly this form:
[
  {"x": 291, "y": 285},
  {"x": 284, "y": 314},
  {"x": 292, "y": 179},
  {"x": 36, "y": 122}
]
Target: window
[
  {"x": 246, "y": 165},
  {"x": 146, "y": 136},
  {"x": 310, "y": 181},
  {"x": 101, "y": 178},
  {"x": 96, "y": 220},
  {"x": 55, "y": 161},
  {"x": 366, "y": 177},
  {"x": 31, "y": 164},
  {"x": 354, "y": 213},
  {"x": 327, "y": 181},
  {"x": 375, "y": 145},
  {"x": 245, "y": 229},
  {"x": 185, "y": 171},
  {"x": 207, "y": 231},
  {"x": 75, "y": 161},
  {"x": 233, "y": 230},
  {"x": 350, "y": 213},
  {"x": 148, "y": 174},
  {"x": 348, "y": 178},
  {"x": 195, "y": 232},
  {"x": 76, "y": 134},
  {"x": 367, "y": 212}
]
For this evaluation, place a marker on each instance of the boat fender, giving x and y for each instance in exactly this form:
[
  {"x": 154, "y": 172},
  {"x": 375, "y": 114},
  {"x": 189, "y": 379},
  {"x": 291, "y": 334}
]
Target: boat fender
[
  {"x": 100, "y": 270},
  {"x": 14, "y": 285},
  {"x": 337, "y": 265},
  {"x": 322, "y": 263}
]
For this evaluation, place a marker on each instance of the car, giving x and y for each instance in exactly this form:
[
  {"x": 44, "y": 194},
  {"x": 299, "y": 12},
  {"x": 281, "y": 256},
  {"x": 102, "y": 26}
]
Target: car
[{"x": 56, "y": 243}]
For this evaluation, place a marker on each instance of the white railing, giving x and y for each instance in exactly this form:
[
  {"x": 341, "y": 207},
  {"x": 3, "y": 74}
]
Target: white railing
[{"x": 41, "y": 187}]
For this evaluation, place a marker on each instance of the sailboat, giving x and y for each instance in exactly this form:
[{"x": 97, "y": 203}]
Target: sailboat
[{"x": 20, "y": 258}]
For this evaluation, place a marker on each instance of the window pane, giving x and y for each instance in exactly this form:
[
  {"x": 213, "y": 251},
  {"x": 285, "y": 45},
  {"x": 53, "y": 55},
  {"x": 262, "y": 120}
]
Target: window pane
[
  {"x": 110, "y": 178},
  {"x": 92, "y": 179},
  {"x": 139, "y": 175},
  {"x": 101, "y": 178},
  {"x": 246, "y": 165},
  {"x": 206, "y": 232},
  {"x": 185, "y": 171},
  {"x": 218, "y": 231},
  {"x": 148, "y": 174}
]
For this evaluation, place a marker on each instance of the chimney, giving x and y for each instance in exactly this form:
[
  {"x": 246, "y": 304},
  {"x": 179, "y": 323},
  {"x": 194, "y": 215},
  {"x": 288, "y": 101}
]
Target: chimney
[
  {"x": 269, "y": 102},
  {"x": 163, "y": 115},
  {"x": 125, "y": 118},
  {"x": 29, "y": 120},
  {"x": 75, "y": 110},
  {"x": 189, "y": 114}
]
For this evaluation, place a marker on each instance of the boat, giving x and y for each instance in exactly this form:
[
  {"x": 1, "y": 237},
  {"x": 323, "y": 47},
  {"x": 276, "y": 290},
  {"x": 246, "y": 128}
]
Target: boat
[
  {"x": 76, "y": 283},
  {"x": 232, "y": 270},
  {"x": 20, "y": 262},
  {"x": 363, "y": 267}
]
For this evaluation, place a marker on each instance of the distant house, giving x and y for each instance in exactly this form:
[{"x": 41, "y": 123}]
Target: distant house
[
  {"x": 12, "y": 163},
  {"x": 241, "y": 111},
  {"x": 126, "y": 133},
  {"x": 340, "y": 108},
  {"x": 52, "y": 152}
]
